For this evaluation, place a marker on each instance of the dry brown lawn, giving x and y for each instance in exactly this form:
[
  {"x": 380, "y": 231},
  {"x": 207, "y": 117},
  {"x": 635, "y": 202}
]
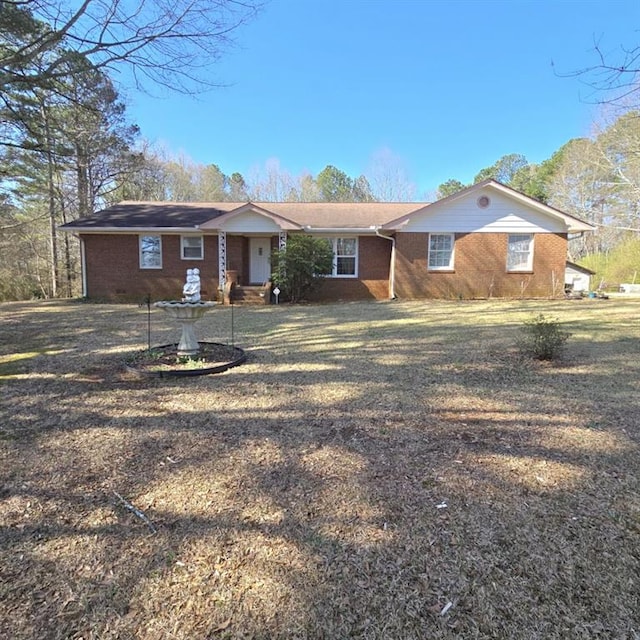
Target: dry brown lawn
[{"x": 375, "y": 470}]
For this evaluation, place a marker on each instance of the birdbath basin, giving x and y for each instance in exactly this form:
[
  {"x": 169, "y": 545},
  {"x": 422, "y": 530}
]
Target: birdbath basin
[{"x": 187, "y": 314}]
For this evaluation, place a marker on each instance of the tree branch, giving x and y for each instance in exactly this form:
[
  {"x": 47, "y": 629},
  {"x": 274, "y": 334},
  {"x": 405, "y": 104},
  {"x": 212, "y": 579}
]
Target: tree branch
[
  {"x": 166, "y": 39},
  {"x": 136, "y": 512}
]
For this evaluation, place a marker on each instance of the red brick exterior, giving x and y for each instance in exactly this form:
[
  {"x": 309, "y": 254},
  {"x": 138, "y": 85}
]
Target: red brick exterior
[
  {"x": 480, "y": 268},
  {"x": 112, "y": 263},
  {"x": 374, "y": 258},
  {"x": 113, "y": 271}
]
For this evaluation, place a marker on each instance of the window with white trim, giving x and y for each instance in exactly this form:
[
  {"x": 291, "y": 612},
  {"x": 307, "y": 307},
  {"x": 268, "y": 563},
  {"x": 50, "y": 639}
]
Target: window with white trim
[
  {"x": 345, "y": 257},
  {"x": 441, "y": 251},
  {"x": 520, "y": 252},
  {"x": 191, "y": 247},
  {"x": 150, "y": 252}
]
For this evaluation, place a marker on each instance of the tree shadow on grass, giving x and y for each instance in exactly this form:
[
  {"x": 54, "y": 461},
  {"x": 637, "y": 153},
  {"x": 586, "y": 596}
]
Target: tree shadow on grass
[{"x": 355, "y": 498}]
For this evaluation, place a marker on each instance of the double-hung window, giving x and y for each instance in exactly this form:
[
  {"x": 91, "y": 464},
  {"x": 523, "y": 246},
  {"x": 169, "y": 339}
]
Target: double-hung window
[
  {"x": 520, "y": 252},
  {"x": 441, "y": 251},
  {"x": 345, "y": 257},
  {"x": 191, "y": 247},
  {"x": 150, "y": 251}
]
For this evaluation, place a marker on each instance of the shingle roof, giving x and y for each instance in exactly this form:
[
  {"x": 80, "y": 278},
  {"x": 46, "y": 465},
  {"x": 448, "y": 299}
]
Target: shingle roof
[
  {"x": 580, "y": 268},
  {"x": 340, "y": 214},
  {"x": 314, "y": 215},
  {"x": 128, "y": 214}
]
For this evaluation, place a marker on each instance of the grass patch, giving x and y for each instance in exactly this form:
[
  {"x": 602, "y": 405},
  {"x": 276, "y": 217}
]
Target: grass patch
[
  {"x": 16, "y": 364},
  {"x": 374, "y": 470}
]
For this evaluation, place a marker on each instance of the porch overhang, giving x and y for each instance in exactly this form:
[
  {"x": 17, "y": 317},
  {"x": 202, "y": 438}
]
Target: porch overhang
[{"x": 226, "y": 221}]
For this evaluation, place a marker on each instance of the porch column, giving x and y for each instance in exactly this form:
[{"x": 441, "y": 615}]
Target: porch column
[
  {"x": 222, "y": 259},
  {"x": 282, "y": 242}
]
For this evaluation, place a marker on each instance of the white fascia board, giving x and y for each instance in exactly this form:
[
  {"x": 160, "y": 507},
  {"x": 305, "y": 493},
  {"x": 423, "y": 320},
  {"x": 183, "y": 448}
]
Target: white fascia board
[{"x": 361, "y": 231}]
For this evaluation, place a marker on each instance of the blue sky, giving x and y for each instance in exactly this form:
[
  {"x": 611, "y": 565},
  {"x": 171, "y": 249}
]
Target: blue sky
[{"x": 448, "y": 87}]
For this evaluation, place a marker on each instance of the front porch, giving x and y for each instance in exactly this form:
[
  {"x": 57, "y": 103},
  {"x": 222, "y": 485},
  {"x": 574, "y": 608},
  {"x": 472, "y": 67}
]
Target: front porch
[{"x": 245, "y": 266}]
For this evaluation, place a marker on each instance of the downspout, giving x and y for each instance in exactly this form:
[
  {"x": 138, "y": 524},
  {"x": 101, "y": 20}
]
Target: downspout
[
  {"x": 83, "y": 267},
  {"x": 392, "y": 264}
]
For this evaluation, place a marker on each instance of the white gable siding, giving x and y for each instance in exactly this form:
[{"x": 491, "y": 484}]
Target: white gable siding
[
  {"x": 250, "y": 222},
  {"x": 503, "y": 215}
]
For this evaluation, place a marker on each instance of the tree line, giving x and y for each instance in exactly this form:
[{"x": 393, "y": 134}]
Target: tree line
[{"x": 68, "y": 148}]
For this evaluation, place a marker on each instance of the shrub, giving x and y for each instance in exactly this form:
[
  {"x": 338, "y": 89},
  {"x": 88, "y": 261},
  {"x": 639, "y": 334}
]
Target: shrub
[
  {"x": 299, "y": 268},
  {"x": 543, "y": 338}
]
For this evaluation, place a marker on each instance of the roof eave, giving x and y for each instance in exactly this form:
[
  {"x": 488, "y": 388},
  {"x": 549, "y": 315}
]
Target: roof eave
[
  {"x": 581, "y": 227},
  {"x": 130, "y": 229},
  {"x": 350, "y": 230},
  {"x": 574, "y": 224}
]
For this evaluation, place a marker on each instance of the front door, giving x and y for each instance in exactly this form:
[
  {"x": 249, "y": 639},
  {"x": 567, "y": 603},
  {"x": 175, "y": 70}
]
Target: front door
[{"x": 259, "y": 260}]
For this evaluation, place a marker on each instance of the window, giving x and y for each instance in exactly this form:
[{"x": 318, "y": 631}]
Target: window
[
  {"x": 346, "y": 252},
  {"x": 150, "y": 252},
  {"x": 345, "y": 257},
  {"x": 441, "y": 251},
  {"x": 191, "y": 247},
  {"x": 520, "y": 252}
]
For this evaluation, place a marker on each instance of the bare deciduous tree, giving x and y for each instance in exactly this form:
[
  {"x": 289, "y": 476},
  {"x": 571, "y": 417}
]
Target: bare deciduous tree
[
  {"x": 614, "y": 79},
  {"x": 389, "y": 179},
  {"x": 166, "y": 42},
  {"x": 272, "y": 183}
]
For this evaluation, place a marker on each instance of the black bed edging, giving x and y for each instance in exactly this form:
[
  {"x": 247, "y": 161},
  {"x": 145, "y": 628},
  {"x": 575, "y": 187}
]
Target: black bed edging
[{"x": 189, "y": 373}]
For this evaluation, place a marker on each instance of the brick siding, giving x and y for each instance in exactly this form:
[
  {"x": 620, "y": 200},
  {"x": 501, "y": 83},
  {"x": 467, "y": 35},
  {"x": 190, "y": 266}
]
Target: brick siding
[
  {"x": 113, "y": 269},
  {"x": 374, "y": 256},
  {"x": 480, "y": 271}
]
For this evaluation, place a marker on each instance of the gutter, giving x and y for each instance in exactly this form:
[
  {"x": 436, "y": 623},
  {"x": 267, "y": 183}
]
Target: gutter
[
  {"x": 392, "y": 264},
  {"x": 334, "y": 230},
  {"x": 83, "y": 267},
  {"x": 366, "y": 230}
]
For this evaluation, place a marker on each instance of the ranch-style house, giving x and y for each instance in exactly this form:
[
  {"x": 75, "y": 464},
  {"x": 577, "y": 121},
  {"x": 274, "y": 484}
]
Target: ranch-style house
[{"x": 484, "y": 241}]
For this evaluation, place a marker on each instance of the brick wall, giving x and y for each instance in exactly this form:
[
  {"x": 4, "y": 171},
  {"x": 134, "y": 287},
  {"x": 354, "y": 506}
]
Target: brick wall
[
  {"x": 480, "y": 268},
  {"x": 237, "y": 257},
  {"x": 374, "y": 255},
  {"x": 113, "y": 269}
]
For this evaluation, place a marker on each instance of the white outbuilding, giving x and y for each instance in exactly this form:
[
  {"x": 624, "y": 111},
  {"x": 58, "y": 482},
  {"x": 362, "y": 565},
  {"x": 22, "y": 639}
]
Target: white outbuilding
[{"x": 577, "y": 278}]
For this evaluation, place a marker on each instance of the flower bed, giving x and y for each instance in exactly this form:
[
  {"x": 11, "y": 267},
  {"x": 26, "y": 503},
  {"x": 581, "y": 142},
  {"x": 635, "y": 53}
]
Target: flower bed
[{"x": 164, "y": 360}]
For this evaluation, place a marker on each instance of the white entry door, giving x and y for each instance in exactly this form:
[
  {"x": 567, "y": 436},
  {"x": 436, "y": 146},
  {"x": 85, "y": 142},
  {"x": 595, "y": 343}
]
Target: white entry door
[{"x": 259, "y": 260}]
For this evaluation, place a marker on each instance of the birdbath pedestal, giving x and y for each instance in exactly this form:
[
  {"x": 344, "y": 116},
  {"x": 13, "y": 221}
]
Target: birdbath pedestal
[{"x": 187, "y": 314}]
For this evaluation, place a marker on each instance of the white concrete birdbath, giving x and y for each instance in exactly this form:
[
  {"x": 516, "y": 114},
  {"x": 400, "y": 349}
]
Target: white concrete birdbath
[{"x": 187, "y": 314}]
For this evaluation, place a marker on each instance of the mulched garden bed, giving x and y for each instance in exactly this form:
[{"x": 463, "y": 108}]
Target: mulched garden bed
[{"x": 164, "y": 361}]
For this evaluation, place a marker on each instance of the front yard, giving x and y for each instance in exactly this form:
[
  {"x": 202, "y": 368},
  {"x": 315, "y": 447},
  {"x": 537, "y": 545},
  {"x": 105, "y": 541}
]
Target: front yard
[{"x": 375, "y": 470}]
